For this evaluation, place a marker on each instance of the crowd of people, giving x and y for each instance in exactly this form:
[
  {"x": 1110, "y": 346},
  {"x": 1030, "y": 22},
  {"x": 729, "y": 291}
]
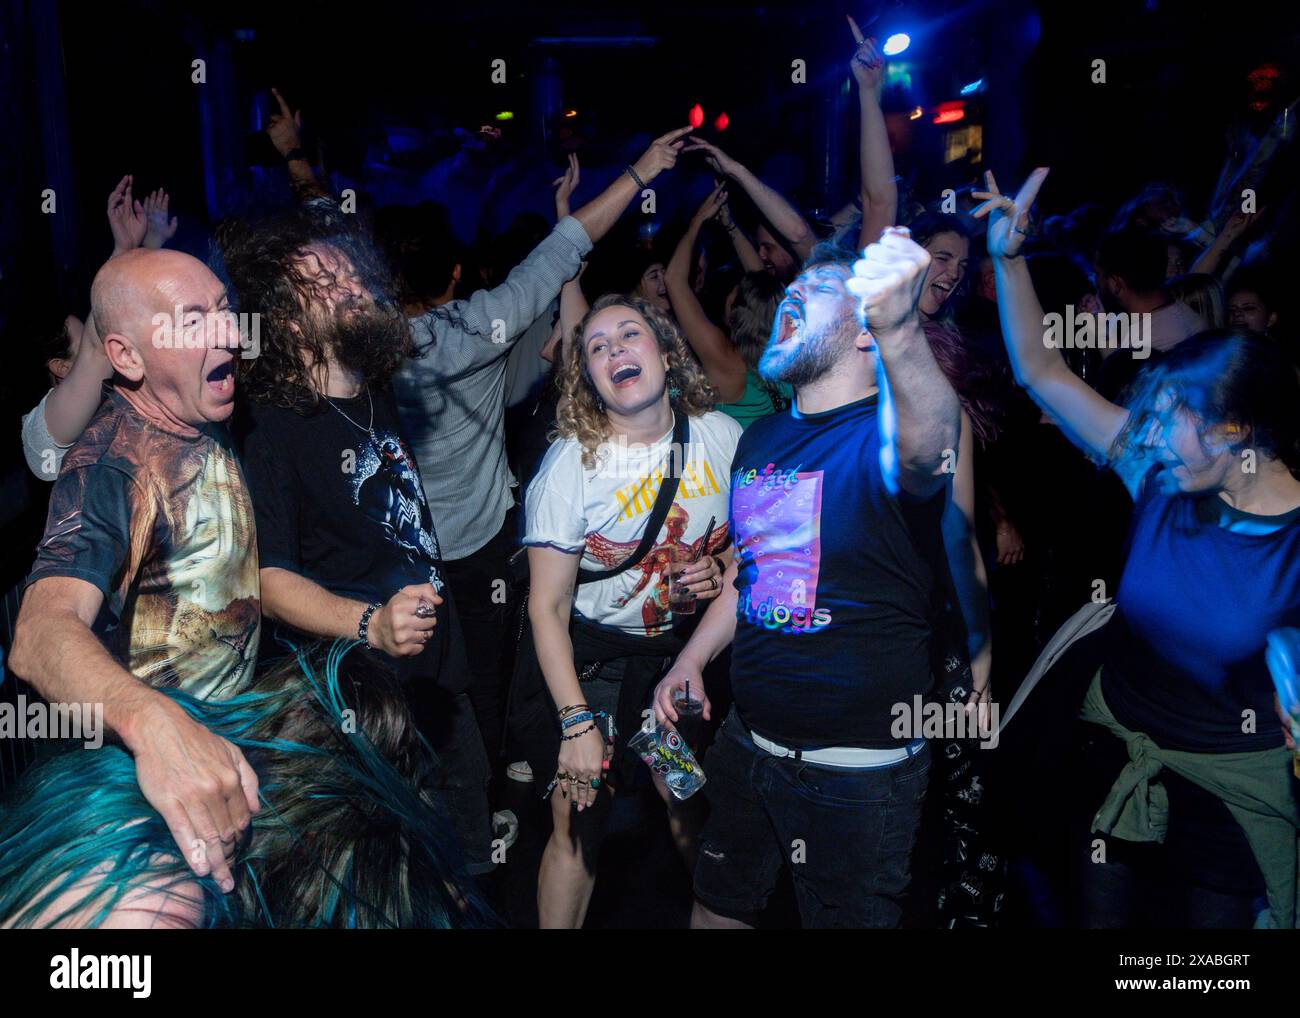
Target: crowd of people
[{"x": 352, "y": 530}]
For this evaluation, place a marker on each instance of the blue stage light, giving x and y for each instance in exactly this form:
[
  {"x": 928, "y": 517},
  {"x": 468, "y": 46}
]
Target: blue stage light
[{"x": 896, "y": 43}]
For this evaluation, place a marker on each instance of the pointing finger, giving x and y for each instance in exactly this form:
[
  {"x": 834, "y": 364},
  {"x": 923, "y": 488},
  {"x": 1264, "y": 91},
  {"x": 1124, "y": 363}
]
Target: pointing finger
[
  {"x": 857, "y": 32},
  {"x": 674, "y": 135}
]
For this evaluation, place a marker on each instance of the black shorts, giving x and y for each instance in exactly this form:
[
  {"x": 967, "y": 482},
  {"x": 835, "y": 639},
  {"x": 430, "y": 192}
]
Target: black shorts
[{"x": 847, "y": 835}]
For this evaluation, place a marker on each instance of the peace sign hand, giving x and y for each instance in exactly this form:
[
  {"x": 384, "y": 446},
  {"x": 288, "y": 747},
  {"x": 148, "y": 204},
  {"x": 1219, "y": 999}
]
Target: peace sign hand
[{"x": 1008, "y": 217}]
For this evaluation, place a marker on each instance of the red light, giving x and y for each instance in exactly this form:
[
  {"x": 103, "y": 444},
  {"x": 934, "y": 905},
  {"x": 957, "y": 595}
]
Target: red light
[
  {"x": 722, "y": 122},
  {"x": 950, "y": 112},
  {"x": 697, "y": 115}
]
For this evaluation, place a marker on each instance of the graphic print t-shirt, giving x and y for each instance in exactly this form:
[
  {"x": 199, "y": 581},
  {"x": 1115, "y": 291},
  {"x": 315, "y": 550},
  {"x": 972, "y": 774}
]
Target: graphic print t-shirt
[
  {"x": 835, "y": 581},
  {"x": 160, "y": 523},
  {"x": 342, "y": 508},
  {"x": 602, "y": 513}
]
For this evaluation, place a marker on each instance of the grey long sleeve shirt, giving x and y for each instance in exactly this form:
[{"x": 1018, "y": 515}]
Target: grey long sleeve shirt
[{"x": 451, "y": 395}]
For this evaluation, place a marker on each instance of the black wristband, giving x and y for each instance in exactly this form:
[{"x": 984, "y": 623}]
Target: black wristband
[
  {"x": 296, "y": 153},
  {"x": 635, "y": 177}
]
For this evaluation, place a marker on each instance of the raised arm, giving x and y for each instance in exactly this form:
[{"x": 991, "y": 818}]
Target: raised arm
[
  {"x": 783, "y": 216},
  {"x": 722, "y": 362},
  {"x": 746, "y": 253},
  {"x": 599, "y": 215},
  {"x": 285, "y": 132},
  {"x": 879, "y": 190},
  {"x": 1211, "y": 258},
  {"x": 920, "y": 415},
  {"x": 1090, "y": 420}
]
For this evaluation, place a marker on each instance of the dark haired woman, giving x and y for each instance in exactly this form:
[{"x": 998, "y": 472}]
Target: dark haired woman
[
  {"x": 349, "y": 836},
  {"x": 730, "y": 359},
  {"x": 1189, "y": 778},
  {"x": 627, "y": 382},
  {"x": 947, "y": 238}
]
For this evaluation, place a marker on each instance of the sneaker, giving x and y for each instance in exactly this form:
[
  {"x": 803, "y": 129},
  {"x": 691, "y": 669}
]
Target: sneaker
[
  {"x": 505, "y": 826},
  {"x": 519, "y": 771}
]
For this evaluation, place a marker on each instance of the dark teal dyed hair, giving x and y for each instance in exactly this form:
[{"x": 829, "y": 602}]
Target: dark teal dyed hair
[{"x": 349, "y": 834}]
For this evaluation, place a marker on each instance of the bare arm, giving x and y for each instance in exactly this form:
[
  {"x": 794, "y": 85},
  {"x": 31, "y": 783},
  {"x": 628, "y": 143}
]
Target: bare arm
[
  {"x": 284, "y": 131},
  {"x": 718, "y": 355},
  {"x": 741, "y": 244},
  {"x": 552, "y": 575},
  {"x": 783, "y": 216},
  {"x": 200, "y": 783},
  {"x": 966, "y": 562},
  {"x": 879, "y": 190},
  {"x": 920, "y": 417},
  {"x": 600, "y": 214},
  {"x": 73, "y": 402},
  {"x": 304, "y": 604}
]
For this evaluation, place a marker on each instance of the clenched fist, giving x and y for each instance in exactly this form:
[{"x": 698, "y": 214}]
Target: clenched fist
[{"x": 888, "y": 279}]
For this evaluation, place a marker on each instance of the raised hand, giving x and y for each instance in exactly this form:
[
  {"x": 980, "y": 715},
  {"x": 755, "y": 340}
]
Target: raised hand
[
  {"x": 719, "y": 160},
  {"x": 158, "y": 230},
  {"x": 285, "y": 128},
  {"x": 868, "y": 64},
  {"x": 1008, "y": 217},
  {"x": 126, "y": 217},
  {"x": 712, "y": 205},
  {"x": 888, "y": 279},
  {"x": 661, "y": 155},
  {"x": 565, "y": 186}
]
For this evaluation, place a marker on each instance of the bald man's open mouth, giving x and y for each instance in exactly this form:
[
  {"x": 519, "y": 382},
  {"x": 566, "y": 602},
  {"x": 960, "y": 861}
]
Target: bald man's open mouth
[{"x": 221, "y": 379}]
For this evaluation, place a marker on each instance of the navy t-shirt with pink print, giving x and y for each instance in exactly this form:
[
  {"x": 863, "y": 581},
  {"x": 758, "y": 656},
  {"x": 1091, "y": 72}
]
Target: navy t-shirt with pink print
[{"x": 835, "y": 581}]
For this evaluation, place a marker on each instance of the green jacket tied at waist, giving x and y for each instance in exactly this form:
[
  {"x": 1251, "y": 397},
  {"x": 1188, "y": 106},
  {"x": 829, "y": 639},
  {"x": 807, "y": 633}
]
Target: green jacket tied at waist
[{"x": 1256, "y": 788}]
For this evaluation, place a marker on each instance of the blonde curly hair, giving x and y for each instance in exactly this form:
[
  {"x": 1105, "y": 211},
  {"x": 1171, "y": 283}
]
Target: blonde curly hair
[{"x": 580, "y": 416}]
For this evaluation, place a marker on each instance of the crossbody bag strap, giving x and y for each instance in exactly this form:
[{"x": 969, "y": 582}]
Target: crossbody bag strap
[{"x": 659, "y": 513}]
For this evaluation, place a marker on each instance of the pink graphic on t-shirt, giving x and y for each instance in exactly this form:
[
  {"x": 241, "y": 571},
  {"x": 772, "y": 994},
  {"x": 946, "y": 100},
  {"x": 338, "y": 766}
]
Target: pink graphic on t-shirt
[{"x": 778, "y": 531}]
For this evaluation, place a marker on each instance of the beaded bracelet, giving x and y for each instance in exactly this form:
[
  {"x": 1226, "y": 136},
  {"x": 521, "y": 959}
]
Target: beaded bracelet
[{"x": 577, "y": 735}]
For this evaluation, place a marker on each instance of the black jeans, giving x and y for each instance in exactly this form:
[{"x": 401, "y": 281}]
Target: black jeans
[
  {"x": 480, "y": 584},
  {"x": 847, "y": 835},
  {"x": 446, "y": 720}
]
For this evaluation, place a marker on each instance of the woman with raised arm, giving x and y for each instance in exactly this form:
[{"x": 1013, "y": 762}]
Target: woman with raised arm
[
  {"x": 879, "y": 189},
  {"x": 1185, "y": 773},
  {"x": 729, "y": 358}
]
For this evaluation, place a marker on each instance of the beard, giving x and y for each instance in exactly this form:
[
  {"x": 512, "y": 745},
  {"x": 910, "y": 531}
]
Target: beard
[
  {"x": 371, "y": 341},
  {"x": 813, "y": 356}
]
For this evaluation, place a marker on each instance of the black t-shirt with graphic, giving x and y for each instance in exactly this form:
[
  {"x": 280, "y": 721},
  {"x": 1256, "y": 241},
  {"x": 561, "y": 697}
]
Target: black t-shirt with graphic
[
  {"x": 835, "y": 581},
  {"x": 344, "y": 507}
]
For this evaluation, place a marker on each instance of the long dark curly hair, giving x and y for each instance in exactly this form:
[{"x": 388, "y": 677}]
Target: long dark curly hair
[
  {"x": 580, "y": 416},
  {"x": 262, "y": 264}
]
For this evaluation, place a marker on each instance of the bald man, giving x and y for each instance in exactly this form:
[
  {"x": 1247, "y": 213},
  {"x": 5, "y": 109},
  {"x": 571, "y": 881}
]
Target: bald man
[{"x": 147, "y": 575}]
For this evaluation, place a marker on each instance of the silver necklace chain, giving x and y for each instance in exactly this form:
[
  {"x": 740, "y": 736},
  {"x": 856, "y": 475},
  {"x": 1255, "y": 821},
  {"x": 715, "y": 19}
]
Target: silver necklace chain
[{"x": 370, "y": 430}]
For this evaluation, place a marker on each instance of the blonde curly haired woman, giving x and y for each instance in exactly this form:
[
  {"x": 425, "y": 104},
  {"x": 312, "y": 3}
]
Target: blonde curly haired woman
[{"x": 636, "y": 413}]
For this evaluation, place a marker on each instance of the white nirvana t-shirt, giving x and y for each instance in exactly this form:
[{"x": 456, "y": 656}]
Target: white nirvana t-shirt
[{"x": 603, "y": 513}]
